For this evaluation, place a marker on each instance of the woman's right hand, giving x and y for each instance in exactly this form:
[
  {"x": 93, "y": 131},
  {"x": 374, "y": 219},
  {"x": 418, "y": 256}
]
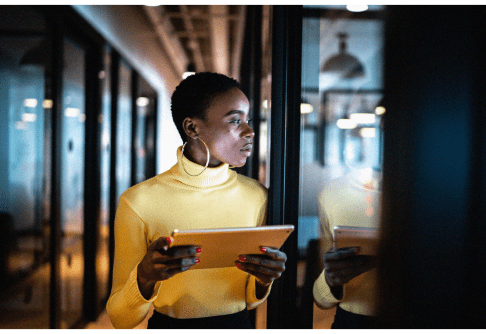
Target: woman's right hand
[
  {"x": 342, "y": 265},
  {"x": 161, "y": 262}
]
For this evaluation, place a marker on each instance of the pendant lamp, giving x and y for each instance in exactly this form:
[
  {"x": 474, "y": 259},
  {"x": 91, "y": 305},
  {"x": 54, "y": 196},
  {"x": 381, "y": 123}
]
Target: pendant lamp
[{"x": 344, "y": 64}]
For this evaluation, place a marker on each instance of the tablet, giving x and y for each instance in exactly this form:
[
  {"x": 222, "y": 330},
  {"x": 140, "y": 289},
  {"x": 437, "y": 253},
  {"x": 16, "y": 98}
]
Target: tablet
[
  {"x": 363, "y": 237},
  {"x": 221, "y": 247}
]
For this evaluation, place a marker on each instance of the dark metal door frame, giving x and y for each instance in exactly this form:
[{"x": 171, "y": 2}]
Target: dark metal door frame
[{"x": 283, "y": 194}]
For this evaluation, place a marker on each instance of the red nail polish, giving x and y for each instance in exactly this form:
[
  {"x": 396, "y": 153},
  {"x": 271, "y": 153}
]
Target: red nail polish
[
  {"x": 197, "y": 260},
  {"x": 238, "y": 265},
  {"x": 263, "y": 249},
  {"x": 242, "y": 258},
  {"x": 198, "y": 250},
  {"x": 169, "y": 240}
]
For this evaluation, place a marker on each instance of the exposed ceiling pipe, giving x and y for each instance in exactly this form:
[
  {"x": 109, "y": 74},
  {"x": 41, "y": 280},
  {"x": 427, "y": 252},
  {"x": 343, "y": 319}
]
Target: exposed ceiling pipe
[
  {"x": 171, "y": 43},
  {"x": 193, "y": 42},
  {"x": 239, "y": 35},
  {"x": 219, "y": 31}
]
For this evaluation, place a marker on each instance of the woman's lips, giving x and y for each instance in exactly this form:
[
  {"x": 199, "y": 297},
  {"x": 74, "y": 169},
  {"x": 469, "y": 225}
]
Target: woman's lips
[{"x": 247, "y": 149}]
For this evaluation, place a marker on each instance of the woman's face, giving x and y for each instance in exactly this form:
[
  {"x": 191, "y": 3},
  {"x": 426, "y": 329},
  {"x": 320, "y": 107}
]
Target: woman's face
[{"x": 225, "y": 129}]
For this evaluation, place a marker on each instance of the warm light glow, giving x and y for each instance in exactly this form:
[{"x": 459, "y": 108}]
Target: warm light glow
[
  {"x": 29, "y": 117},
  {"x": 186, "y": 74},
  {"x": 47, "y": 104},
  {"x": 265, "y": 104},
  {"x": 367, "y": 132},
  {"x": 380, "y": 110},
  {"x": 143, "y": 101},
  {"x": 72, "y": 112},
  {"x": 363, "y": 118},
  {"x": 30, "y": 103},
  {"x": 306, "y": 108},
  {"x": 357, "y": 8},
  {"x": 346, "y": 123}
]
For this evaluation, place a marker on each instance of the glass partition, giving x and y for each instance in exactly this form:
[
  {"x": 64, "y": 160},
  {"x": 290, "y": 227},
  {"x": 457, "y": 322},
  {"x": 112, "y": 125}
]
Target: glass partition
[
  {"x": 102, "y": 257},
  {"x": 341, "y": 138},
  {"x": 72, "y": 183},
  {"x": 124, "y": 130},
  {"x": 25, "y": 113},
  {"x": 145, "y": 120}
]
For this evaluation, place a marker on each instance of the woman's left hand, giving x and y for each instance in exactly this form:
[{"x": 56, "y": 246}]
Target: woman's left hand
[{"x": 266, "y": 267}]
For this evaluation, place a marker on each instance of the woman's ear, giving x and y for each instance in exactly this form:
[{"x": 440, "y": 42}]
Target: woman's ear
[{"x": 190, "y": 127}]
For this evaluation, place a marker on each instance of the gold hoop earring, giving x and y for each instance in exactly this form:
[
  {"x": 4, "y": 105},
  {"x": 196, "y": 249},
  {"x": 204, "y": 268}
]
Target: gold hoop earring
[{"x": 207, "y": 161}]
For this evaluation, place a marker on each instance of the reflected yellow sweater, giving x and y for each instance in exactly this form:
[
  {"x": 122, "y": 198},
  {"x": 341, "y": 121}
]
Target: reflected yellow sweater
[
  {"x": 217, "y": 198},
  {"x": 351, "y": 200}
]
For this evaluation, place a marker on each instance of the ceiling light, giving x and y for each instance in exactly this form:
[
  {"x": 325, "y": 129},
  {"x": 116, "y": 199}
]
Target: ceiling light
[
  {"x": 363, "y": 118},
  {"x": 380, "y": 110},
  {"x": 367, "y": 132},
  {"x": 346, "y": 123},
  {"x": 72, "y": 112},
  {"x": 306, "y": 108},
  {"x": 143, "y": 101},
  {"x": 47, "y": 104},
  {"x": 29, "y": 117},
  {"x": 357, "y": 8},
  {"x": 30, "y": 103},
  {"x": 191, "y": 69}
]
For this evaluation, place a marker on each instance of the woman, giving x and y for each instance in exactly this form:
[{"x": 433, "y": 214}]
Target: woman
[{"x": 200, "y": 191}]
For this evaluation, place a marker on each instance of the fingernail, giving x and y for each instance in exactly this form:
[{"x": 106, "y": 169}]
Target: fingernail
[
  {"x": 197, "y": 260},
  {"x": 169, "y": 240},
  {"x": 198, "y": 250},
  {"x": 242, "y": 258},
  {"x": 238, "y": 265},
  {"x": 263, "y": 249}
]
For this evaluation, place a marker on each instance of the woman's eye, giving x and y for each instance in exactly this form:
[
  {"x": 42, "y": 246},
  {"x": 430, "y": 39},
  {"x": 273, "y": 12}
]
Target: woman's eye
[
  {"x": 249, "y": 121},
  {"x": 236, "y": 121}
]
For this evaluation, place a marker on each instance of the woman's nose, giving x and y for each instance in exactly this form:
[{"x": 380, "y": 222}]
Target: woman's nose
[{"x": 248, "y": 132}]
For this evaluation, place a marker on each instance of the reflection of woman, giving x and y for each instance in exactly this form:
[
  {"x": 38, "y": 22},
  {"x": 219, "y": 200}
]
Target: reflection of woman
[
  {"x": 349, "y": 279},
  {"x": 211, "y": 114}
]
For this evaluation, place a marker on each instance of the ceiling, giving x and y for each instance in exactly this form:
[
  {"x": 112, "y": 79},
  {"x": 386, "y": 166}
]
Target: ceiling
[{"x": 208, "y": 36}]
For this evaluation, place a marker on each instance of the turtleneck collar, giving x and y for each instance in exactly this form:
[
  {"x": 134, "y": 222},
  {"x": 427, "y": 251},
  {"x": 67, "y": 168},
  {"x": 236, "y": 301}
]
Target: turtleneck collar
[{"x": 210, "y": 178}]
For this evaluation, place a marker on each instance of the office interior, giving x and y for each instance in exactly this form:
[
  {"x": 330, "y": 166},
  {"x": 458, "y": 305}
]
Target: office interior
[{"x": 85, "y": 114}]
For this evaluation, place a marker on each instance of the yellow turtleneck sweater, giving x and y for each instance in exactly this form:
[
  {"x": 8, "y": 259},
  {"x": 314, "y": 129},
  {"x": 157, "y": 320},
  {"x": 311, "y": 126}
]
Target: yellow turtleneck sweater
[
  {"x": 351, "y": 200},
  {"x": 217, "y": 198}
]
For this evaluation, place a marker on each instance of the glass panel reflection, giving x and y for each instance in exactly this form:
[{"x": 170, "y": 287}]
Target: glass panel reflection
[
  {"x": 124, "y": 130},
  {"x": 72, "y": 184},
  {"x": 24, "y": 124},
  {"x": 145, "y": 131},
  {"x": 102, "y": 256},
  {"x": 341, "y": 146}
]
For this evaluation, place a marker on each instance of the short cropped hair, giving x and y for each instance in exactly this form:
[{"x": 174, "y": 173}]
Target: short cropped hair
[{"x": 194, "y": 95}]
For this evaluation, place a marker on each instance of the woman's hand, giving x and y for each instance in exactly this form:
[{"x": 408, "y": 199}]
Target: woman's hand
[
  {"x": 342, "y": 265},
  {"x": 162, "y": 262},
  {"x": 266, "y": 267}
]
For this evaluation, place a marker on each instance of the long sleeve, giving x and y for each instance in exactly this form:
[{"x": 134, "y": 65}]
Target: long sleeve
[
  {"x": 251, "y": 300},
  {"x": 126, "y": 306}
]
